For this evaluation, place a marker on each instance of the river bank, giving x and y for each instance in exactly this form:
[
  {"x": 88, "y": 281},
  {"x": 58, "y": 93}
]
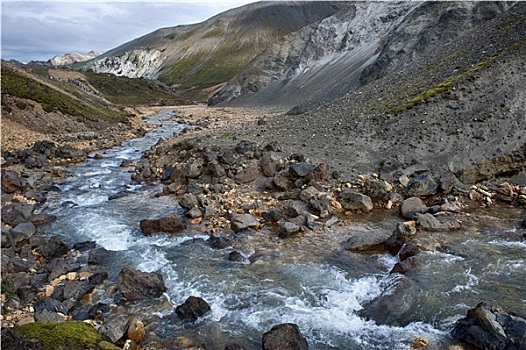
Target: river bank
[{"x": 253, "y": 207}]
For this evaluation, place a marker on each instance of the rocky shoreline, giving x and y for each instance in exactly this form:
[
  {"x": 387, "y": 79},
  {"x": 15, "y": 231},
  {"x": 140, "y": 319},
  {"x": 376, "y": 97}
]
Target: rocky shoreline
[{"x": 225, "y": 192}]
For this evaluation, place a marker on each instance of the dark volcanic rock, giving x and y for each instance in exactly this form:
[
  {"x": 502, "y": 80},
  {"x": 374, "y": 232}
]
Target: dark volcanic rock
[
  {"x": 285, "y": 336},
  {"x": 240, "y": 222},
  {"x": 136, "y": 285},
  {"x": 54, "y": 248},
  {"x": 430, "y": 223},
  {"x": 398, "y": 238},
  {"x": 411, "y": 207},
  {"x": 366, "y": 240},
  {"x": 17, "y": 213},
  {"x": 407, "y": 265},
  {"x": 248, "y": 175},
  {"x": 12, "y": 340},
  {"x": 350, "y": 199},
  {"x": 488, "y": 326},
  {"x": 274, "y": 215},
  {"x": 168, "y": 224},
  {"x": 421, "y": 186},
  {"x": 192, "y": 308},
  {"x": 11, "y": 182},
  {"x": 219, "y": 242}
]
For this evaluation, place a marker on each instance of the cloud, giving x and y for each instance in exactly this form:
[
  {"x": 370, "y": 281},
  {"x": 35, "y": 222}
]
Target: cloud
[{"x": 37, "y": 30}]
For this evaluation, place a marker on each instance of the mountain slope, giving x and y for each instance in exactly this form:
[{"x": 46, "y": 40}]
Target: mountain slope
[{"x": 210, "y": 53}]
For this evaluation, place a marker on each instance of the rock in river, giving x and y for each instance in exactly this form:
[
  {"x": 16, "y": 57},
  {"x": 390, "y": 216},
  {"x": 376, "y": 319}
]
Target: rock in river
[
  {"x": 168, "y": 224},
  {"x": 192, "y": 308},
  {"x": 285, "y": 336},
  {"x": 136, "y": 285}
]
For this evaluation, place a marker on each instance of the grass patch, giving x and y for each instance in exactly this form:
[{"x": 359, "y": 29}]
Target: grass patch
[{"x": 65, "y": 336}]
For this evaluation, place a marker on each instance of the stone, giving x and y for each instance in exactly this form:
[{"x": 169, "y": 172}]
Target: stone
[
  {"x": 47, "y": 316},
  {"x": 167, "y": 224},
  {"x": 77, "y": 289},
  {"x": 188, "y": 201},
  {"x": 192, "y": 308},
  {"x": 293, "y": 209},
  {"x": 216, "y": 169},
  {"x": 309, "y": 193},
  {"x": 98, "y": 256},
  {"x": 399, "y": 237},
  {"x": 11, "y": 182},
  {"x": 429, "y": 222},
  {"x": 366, "y": 240},
  {"x": 487, "y": 326},
  {"x": 285, "y": 336},
  {"x": 193, "y": 168},
  {"x": 411, "y": 207},
  {"x": 54, "y": 248},
  {"x": 408, "y": 249},
  {"x": 12, "y": 340},
  {"x": 446, "y": 182},
  {"x": 300, "y": 169},
  {"x": 407, "y": 265},
  {"x": 42, "y": 219},
  {"x": 23, "y": 231},
  {"x": 220, "y": 242},
  {"x": 378, "y": 190},
  {"x": 241, "y": 222},
  {"x": 282, "y": 180},
  {"x": 288, "y": 229},
  {"x": 273, "y": 215},
  {"x": 234, "y": 347},
  {"x": 421, "y": 186},
  {"x": 114, "y": 328},
  {"x": 269, "y": 163},
  {"x": 136, "y": 285},
  {"x": 319, "y": 173},
  {"x": 17, "y": 213},
  {"x": 352, "y": 200},
  {"x": 227, "y": 157},
  {"x": 194, "y": 213},
  {"x": 235, "y": 256},
  {"x": 136, "y": 331},
  {"x": 250, "y": 174}
]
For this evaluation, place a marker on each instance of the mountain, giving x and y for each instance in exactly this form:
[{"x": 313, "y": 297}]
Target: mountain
[
  {"x": 201, "y": 56},
  {"x": 69, "y": 58}
]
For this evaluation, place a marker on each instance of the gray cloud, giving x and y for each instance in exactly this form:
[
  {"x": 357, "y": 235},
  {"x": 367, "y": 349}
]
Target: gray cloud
[{"x": 37, "y": 30}]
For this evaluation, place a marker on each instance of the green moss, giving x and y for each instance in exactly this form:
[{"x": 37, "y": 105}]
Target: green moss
[
  {"x": 7, "y": 289},
  {"x": 65, "y": 336},
  {"x": 24, "y": 87}
]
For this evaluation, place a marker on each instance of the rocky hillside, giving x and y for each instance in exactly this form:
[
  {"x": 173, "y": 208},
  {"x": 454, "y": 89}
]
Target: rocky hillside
[
  {"x": 69, "y": 58},
  {"x": 201, "y": 56}
]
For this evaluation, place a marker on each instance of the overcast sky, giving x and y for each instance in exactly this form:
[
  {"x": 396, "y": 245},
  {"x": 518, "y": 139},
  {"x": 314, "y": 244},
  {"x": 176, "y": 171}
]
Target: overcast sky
[{"x": 39, "y": 30}]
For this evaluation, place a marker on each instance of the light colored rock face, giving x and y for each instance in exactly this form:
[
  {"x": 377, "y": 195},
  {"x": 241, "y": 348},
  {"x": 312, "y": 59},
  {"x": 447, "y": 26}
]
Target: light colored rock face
[
  {"x": 69, "y": 58},
  {"x": 137, "y": 63}
]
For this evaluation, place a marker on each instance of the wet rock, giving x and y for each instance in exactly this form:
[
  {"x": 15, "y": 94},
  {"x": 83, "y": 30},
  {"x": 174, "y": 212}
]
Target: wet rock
[
  {"x": 241, "y": 222},
  {"x": 168, "y": 224},
  {"x": 407, "y": 265},
  {"x": 394, "y": 305},
  {"x": 408, "y": 249},
  {"x": 54, "y": 248},
  {"x": 411, "y": 207},
  {"x": 288, "y": 229},
  {"x": 220, "y": 242},
  {"x": 422, "y": 186},
  {"x": 366, "y": 240},
  {"x": 114, "y": 328},
  {"x": 136, "y": 331},
  {"x": 248, "y": 175},
  {"x": 285, "y": 336},
  {"x": 487, "y": 326},
  {"x": 42, "y": 219},
  {"x": 192, "y": 308},
  {"x": 235, "y": 256},
  {"x": 273, "y": 215},
  {"x": 399, "y": 237},
  {"x": 11, "y": 182},
  {"x": 350, "y": 199},
  {"x": 136, "y": 285},
  {"x": 234, "y": 347},
  {"x": 430, "y": 223}
]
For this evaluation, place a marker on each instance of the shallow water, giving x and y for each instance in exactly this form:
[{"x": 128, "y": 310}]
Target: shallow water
[{"x": 306, "y": 280}]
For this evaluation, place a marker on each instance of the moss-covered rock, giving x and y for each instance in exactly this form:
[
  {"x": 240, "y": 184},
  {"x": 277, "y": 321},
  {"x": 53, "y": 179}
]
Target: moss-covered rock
[{"x": 65, "y": 336}]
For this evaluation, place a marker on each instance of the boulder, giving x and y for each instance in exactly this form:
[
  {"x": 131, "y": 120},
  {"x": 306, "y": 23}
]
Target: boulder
[
  {"x": 17, "y": 213},
  {"x": 114, "y": 328},
  {"x": 168, "y": 224},
  {"x": 430, "y": 223},
  {"x": 282, "y": 180},
  {"x": 137, "y": 285},
  {"x": 216, "y": 169},
  {"x": 366, "y": 240},
  {"x": 350, "y": 199},
  {"x": 411, "y": 207},
  {"x": 300, "y": 169},
  {"x": 285, "y": 336},
  {"x": 22, "y": 232},
  {"x": 235, "y": 256},
  {"x": 487, "y": 326},
  {"x": 269, "y": 163},
  {"x": 241, "y": 222},
  {"x": 54, "y": 248},
  {"x": 421, "y": 186},
  {"x": 318, "y": 173},
  {"x": 188, "y": 201},
  {"x": 192, "y": 308},
  {"x": 378, "y": 190},
  {"x": 12, "y": 340},
  {"x": 408, "y": 249},
  {"x": 274, "y": 215},
  {"x": 288, "y": 229},
  {"x": 407, "y": 265},
  {"x": 193, "y": 168},
  {"x": 247, "y": 175},
  {"x": 11, "y": 182},
  {"x": 220, "y": 242},
  {"x": 398, "y": 238},
  {"x": 194, "y": 213}
]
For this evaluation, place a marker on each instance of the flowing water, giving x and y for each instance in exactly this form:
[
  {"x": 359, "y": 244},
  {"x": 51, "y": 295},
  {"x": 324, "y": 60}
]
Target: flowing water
[{"x": 307, "y": 281}]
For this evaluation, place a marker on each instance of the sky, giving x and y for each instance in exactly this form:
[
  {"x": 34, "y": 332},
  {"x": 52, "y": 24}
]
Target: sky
[{"x": 38, "y": 30}]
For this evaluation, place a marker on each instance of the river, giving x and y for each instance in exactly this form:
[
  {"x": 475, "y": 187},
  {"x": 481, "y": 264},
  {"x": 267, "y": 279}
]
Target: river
[{"x": 307, "y": 281}]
